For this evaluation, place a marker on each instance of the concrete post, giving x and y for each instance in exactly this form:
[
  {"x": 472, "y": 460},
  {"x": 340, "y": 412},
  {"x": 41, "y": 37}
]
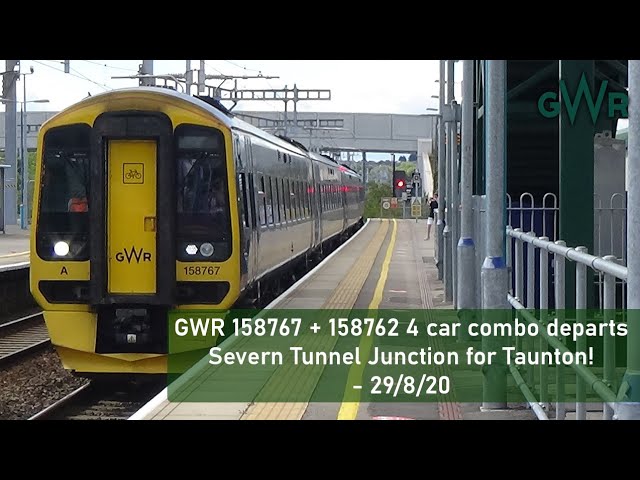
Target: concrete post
[
  {"x": 147, "y": 69},
  {"x": 10, "y": 124},
  {"x": 630, "y": 409},
  {"x": 454, "y": 204},
  {"x": 466, "y": 247},
  {"x": 448, "y": 215},
  {"x": 441, "y": 175},
  {"x": 494, "y": 275}
]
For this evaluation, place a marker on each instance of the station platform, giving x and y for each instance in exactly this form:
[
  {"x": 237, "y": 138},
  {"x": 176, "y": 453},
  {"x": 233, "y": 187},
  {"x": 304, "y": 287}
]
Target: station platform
[
  {"x": 14, "y": 246},
  {"x": 388, "y": 264}
]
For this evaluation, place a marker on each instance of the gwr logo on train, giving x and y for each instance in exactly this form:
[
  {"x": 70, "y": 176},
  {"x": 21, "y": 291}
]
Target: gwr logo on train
[{"x": 133, "y": 255}]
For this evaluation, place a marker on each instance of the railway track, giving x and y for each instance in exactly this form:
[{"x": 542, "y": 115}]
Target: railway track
[
  {"x": 23, "y": 335},
  {"x": 102, "y": 400}
]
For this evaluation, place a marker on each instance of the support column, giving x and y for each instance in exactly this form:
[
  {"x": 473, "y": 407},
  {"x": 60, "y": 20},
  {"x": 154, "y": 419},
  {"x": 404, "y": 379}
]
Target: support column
[
  {"x": 630, "y": 409},
  {"x": 576, "y": 171},
  {"x": 365, "y": 176},
  {"x": 147, "y": 69},
  {"x": 494, "y": 269},
  {"x": 442, "y": 182},
  {"x": 448, "y": 215},
  {"x": 466, "y": 246},
  {"x": 11, "y": 174}
]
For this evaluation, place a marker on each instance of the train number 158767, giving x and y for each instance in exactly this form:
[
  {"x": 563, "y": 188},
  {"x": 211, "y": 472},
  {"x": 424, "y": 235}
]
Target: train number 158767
[{"x": 198, "y": 270}]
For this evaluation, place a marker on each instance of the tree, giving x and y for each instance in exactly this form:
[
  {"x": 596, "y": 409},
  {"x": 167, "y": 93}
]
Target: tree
[{"x": 375, "y": 193}]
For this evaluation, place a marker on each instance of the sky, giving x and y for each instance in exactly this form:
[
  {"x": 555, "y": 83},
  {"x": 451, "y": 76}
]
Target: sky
[
  {"x": 363, "y": 86},
  {"x": 366, "y": 86}
]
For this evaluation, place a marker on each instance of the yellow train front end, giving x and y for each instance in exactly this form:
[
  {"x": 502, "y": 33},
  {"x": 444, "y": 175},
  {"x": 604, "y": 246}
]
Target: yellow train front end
[{"x": 133, "y": 218}]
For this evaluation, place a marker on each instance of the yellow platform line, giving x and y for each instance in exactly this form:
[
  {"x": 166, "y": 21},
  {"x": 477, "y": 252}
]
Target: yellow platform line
[
  {"x": 349, "y": 410},
  {"x": 19, "y": 254},
  {"x": 288, "y": 378}
]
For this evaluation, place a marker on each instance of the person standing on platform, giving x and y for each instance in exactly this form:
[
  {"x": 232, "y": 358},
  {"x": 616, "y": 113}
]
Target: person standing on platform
[{"x": 433, "y": 208}]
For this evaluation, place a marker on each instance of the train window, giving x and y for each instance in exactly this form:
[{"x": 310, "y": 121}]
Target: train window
[
  {"x": 243, "y": 189},
  {"x": 287, "y": 195},
  {"x": 306, "y": 199},
  {"x": 263, "y": 202},
  {"x": 302, "y": 201},
  {"x": 285, "y": 217},
  {"x": 296, "y": 188},
  {"x": 251, "y": 200},
  {"x": 283, "y": 191},
  {"x": 276, "y": 205},
  {"x": 294, "y": 199},
  {"x": 203, "y": 210},
  {"x": 64, "y": 191},
  {"x": 269, "y": 201}
]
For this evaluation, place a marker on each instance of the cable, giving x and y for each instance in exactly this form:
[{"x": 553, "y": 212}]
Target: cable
[
  {"x": 213, "y": 68},
  {"x": 240, "y": 66},
  {"x": 73, "y": 75},
  {"x": 88, "y": 79},
  {"x": 110, "y": 66}
]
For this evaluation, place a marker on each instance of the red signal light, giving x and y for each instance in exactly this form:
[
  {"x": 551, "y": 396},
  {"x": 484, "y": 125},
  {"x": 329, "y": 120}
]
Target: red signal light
[{"x": 400, "y": 183}]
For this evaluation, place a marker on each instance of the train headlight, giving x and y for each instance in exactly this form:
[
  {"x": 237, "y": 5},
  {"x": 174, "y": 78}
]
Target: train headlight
[
  {"x": 206, "y": 249},
  {"x": 191, "y": 249},
  {"x": 61, "y": 249}
]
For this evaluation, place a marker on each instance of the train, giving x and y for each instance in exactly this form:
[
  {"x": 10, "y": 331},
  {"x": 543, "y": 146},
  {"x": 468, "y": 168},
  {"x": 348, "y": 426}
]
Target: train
[{"x": 149, "y": 201}]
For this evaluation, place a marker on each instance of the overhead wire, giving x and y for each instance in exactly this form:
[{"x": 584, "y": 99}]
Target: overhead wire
[
  {"x": 110, "y": 66},
  {"x": 77, "y": 75}
]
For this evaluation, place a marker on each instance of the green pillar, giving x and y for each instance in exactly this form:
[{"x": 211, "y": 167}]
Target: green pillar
[{"x": 576, "y": 171}]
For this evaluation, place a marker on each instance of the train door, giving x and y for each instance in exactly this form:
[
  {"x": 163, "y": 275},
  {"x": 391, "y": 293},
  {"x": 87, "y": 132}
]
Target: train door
[
  {"x": 316, "y": 205},
  {"x": 251, "y": 189},
  {"x": 133, "y": 210},
  {"x": 131, "y": 216}
]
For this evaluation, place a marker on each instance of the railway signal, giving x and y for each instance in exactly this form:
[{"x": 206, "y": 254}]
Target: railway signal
[{"x": 399, "y": 183}]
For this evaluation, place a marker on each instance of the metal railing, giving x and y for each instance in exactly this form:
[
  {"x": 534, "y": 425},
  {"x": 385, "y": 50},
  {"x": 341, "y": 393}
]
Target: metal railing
[{"x": 605, "y": 385}]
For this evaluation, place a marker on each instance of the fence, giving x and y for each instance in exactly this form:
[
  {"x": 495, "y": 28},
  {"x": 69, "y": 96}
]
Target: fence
[{"x": 537, "y": 260}]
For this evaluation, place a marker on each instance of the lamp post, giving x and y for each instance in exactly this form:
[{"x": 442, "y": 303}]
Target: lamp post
[{"x": 24, "y": 151}]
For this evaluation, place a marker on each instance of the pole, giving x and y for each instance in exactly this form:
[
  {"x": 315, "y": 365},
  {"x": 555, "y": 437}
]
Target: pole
[
  {"x": 441, "y": 176},
  {"x": 448, "y": 211},
  {"x": 630, "y": 409},
  {"x": 11, "y": 176},
  {"x": 295, "y": 108},
  {"x": 24, "y": 211},
  {"x": 466, "y": 246},
  {"x": 365, "y": 178},
  {"x": 393, "y": 174},
  {"x": 189, "y": 77},
  {"x": 147, "y": 69},
  {"x": 494, "y": 272}
]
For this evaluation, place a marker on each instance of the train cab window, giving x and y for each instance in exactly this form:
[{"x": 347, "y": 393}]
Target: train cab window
[
  {"x": 63, "y": 210},
  {"x": 203, "y": 213}
]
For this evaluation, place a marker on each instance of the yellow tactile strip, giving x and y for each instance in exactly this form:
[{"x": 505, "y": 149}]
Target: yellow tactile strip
[{"x": 343, "y": 297}]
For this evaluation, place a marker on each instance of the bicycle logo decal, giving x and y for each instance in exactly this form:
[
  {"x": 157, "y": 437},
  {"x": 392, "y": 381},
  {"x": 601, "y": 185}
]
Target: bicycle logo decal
[{"x": 133, "y": 173}]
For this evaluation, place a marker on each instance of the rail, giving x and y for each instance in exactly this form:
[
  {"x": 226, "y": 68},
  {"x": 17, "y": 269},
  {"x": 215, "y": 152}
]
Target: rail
[{"x": 611, "y": 270}]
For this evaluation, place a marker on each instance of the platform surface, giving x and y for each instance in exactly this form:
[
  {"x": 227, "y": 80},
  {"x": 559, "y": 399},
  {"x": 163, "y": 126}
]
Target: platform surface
[
  {"x": 387, "y": 265},
  {"x": 14, "y": 245}
]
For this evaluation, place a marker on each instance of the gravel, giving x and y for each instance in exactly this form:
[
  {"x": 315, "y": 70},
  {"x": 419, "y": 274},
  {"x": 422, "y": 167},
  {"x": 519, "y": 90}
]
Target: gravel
[{"x": 33, "y": 384}]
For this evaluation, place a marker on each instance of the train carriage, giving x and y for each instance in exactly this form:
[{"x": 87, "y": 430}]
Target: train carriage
[{"x": 148, "y": 200}]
